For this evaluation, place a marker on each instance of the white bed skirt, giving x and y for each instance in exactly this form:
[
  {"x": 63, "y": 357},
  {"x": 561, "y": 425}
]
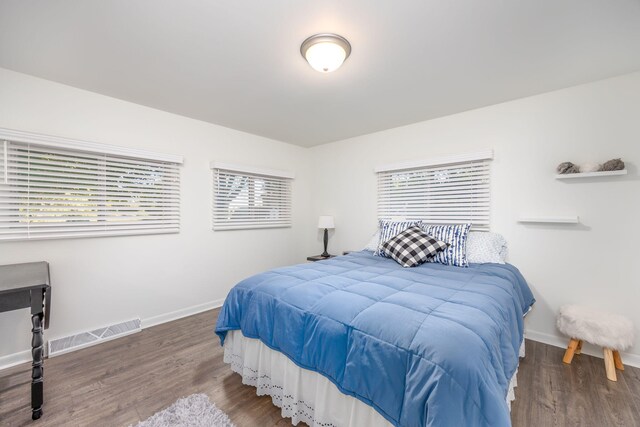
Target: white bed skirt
[{"x": 303, "y": 395}]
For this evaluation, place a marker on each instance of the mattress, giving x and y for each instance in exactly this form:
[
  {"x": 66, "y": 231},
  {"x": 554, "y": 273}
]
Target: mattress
[{"x": 425, "y": 346}]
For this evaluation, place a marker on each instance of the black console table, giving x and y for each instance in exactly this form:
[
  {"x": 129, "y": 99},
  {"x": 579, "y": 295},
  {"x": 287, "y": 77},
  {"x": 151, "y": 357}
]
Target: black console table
[{"x": 27, "y": 286}]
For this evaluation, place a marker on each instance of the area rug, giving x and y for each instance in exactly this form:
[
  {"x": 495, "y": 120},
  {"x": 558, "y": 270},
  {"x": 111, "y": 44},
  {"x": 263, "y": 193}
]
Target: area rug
[{"x": 191, "y": 411}]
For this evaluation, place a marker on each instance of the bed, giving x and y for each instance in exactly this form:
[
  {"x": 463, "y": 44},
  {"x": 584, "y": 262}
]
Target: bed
[{"x": 359, "y": 340}]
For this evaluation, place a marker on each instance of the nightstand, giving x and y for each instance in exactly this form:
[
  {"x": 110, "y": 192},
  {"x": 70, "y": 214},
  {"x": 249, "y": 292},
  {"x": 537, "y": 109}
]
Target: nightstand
[{"x": 318, "y": 258}]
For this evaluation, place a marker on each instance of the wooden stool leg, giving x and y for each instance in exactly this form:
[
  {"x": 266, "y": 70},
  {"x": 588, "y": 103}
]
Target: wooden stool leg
[
  {"x": 618, "y": 360},
  {"x": 571, "y": 349},
  {"x": 609, "y": 365},
  {"x": 579, "y": 348}
]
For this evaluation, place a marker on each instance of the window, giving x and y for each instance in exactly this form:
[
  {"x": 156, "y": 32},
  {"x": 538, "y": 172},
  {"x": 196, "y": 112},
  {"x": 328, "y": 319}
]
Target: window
[
  {"x": 55, "y": 188},
  {"x": 245, "y": 197},
  {"x": 450, "y": 190}
]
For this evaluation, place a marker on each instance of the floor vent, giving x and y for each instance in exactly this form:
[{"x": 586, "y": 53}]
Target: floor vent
[{"x": 86, "y": 339}]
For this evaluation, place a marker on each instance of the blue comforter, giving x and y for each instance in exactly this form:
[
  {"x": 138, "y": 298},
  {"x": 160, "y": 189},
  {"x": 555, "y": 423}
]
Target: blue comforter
[{"x": 432, "y": 345}]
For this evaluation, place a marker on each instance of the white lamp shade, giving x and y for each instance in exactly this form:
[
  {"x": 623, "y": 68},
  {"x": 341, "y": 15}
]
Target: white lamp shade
[
  {"x": 325, "y": 221},
  {"x": 325, "y": 57},
  {"x": 325, "y": 52}
]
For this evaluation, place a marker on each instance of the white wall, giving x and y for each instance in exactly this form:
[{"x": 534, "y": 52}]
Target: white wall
[
  {"x": 104, "y": 280},
  {"x": 594, "y": 263},
  {"x": 99, "y": 281}
]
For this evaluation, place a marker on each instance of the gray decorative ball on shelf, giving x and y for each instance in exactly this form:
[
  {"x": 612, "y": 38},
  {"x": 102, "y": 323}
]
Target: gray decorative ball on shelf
[
  {"x": 612, "y": 165},
  {"x": 567, "y": 167}
]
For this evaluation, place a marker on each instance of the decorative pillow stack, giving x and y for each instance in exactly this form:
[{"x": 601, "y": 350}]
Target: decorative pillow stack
[
  {"x": 412, "y": 247},
  {"x": 389, "y": 229},
  {"x": 456, "y": 237},
  {"x": 483, "y": 247}
]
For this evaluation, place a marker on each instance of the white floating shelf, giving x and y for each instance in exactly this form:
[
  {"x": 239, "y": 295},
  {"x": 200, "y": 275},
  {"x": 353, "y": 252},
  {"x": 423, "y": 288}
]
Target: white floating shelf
[
  {"x": 550, "y": 220},
  {"x": 590, "y": 174}
]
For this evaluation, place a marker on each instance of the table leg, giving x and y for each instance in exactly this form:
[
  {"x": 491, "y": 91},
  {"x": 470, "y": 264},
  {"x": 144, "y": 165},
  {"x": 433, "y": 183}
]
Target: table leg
[{"x": 37, "y": 352}]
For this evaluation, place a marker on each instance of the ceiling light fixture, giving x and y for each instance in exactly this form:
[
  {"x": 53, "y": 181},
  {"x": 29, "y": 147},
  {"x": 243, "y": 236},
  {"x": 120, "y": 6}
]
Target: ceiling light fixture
[{"x": 325, "y": 52}]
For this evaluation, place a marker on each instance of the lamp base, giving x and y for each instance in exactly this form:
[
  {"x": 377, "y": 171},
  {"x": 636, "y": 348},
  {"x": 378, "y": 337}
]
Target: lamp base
[{"x": 325, "y": 254}]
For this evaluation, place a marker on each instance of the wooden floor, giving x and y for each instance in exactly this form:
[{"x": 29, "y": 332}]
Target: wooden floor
[{"x": 129, "y": 379}]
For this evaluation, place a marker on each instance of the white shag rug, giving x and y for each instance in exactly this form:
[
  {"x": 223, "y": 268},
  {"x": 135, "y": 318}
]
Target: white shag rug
[{"x": 191, "y": 411}]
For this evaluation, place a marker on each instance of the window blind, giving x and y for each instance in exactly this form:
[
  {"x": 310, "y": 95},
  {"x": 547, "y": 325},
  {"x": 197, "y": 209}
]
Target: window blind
[
  {"x": 57, "y": 192},
  {"x": 4, "y": 145},
  {"x": 438, "y": 194},
  {"x": 243, "y": 200}
]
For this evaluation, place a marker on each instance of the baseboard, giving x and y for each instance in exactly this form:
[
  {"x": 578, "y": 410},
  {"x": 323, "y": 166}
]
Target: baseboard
[
  {"x": 630, "y": 359},
  {"x": 179, "y": 314},
  {"x": 15, "y": 359},
  {"x": 25, "y": 356}
]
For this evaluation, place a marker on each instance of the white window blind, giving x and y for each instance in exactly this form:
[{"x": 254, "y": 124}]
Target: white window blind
[
  {"x": 4, "y": 146},
  {"x": 452, "y": 193},
  {"x": 57, "y": 192},
  {"x": 244, "y": 199}
]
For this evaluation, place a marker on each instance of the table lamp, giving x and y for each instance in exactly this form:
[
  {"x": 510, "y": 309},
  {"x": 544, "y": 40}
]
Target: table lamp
[{"x": 326, "y": 222}]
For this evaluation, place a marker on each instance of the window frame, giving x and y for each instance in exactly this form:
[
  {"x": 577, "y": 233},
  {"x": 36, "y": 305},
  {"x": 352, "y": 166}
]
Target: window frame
[
  {"x": 101, "y": 189},
  {"x": 282, "y": 197},
  {"x": 465, "y": 194}
]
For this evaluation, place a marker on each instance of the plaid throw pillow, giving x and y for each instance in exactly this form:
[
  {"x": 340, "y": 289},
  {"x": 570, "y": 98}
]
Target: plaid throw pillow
[
  {"x": 389, "y": 228},
  {"x": 412, "y": 247}
]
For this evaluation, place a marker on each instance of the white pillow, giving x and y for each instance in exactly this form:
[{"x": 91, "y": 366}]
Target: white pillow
[
  {"x": 483, "y": 247},
  {"x": 374, "y": 242}
]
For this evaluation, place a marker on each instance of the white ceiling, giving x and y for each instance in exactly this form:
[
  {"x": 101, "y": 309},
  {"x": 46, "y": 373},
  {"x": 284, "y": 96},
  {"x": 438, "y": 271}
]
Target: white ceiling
[{"x": 237, "y": 63}]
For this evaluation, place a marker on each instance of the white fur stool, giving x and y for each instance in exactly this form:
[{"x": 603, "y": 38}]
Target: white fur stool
[{"x": 611, "y": 332}]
